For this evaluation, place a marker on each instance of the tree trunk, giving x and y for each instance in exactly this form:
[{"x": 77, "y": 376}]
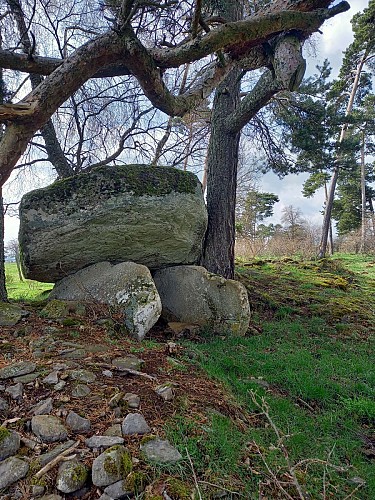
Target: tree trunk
[
  {"x": 3, "y": 290},
  {"x": 331, "y": 248},
  {"x": 363, "y": 195},
  {"x": 18, "y": 264},
  {"x": 54, "y": 151},
  {"x": 328, "y": 214},
  {"x": 222, "y": 161},
  {"x": 222, "y": 164},
  {"x": 331, "y": 197}
]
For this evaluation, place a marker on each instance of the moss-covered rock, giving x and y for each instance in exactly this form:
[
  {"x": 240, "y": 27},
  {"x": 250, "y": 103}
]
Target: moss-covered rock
[
  {"x": 152, "y": 215},
  {"x": 10, "y": 314},
  {"x": 72, "y": 475},
  {"x": 112, "y": 465}
]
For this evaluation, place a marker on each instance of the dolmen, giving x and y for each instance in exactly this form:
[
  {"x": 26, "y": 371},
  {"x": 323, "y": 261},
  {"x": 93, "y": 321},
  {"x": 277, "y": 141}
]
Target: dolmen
[{"x": 129, "y": 237}]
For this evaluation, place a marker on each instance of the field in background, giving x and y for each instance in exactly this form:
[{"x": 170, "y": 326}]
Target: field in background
[{"x": 25, "y": 290}]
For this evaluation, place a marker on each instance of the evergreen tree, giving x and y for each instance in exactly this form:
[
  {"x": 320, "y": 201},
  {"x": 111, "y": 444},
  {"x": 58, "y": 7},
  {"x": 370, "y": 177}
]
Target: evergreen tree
[{"x": 257, "y": 206}]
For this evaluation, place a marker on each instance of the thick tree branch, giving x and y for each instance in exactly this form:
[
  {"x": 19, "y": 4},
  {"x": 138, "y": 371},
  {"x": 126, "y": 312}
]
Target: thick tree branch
[
  {"x": 55, "y": 153},
  {"x": 288, "y": 70},
  {"x": 250, "y": 32}
]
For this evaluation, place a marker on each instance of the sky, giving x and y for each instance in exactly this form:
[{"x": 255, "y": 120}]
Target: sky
[{"x": 336, "y": 37}]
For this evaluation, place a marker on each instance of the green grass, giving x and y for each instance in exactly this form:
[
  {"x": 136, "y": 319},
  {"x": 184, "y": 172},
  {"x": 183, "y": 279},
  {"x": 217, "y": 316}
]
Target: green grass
[
  {"x": 26, "y": 290},
  {"x": 310, "y": 355},
  {"x": 313, "y": 363}
]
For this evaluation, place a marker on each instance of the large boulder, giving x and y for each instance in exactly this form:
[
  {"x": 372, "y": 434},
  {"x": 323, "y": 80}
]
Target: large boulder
[
  {"x": 155, "y": 216},
  {"x": 127, "y": 285},
  {"x": 190, "y": 294}
]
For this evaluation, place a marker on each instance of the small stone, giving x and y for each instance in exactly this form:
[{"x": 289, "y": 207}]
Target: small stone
[
  {"x": 71, "y": 476},
  {"x": 110, "y": 466},
  {"x": 48, "y": 428},
  {"x": 37, "y": 354},
  {"x": 96, "y": 348},
  {"x": 135, "y": 423},
  {"x": 104, "y": 496},
  {"x": 52, "y": 378},
  {"x": 103, "y": 441},
  {"x": 160, "y": 451},
  {"x": 73, "y": 354},
  {"x": 118, "y": 490},
  {"x": 107, "y": 373},
  {"x": 165, "y": 391},
  {"x": 133, "y": 400},
  {"x": 77, "y": 423},
  {"x": 60, "y": 385},
  {"x": 17, "y": 369},
  {"x": 15, "y": 391},
  {"x": 26, "y": 379},
  {"x": 3, "y": 405},
  {"x": 80, "y": 391},
  {"x": 127, "y": 363},
  {"x": 3, "y": 387},
  {"x": 118, "y": 412},
  {"x": 83, "y": 376},
  {"x": 11, "y": 470},
  {"x": 114, "y": 430},
  {"x": 44, "y": 407},
  {"x": 60, "y": 367},
  {"x": 37, "y": 490},
  {"x": 9, "y": 443},
  {"x": 45, "y": 458}
]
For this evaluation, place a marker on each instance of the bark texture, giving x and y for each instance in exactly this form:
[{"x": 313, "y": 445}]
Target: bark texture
[
  {"x": 229, "y": 116},
  {"x": 3, "y": 290}
]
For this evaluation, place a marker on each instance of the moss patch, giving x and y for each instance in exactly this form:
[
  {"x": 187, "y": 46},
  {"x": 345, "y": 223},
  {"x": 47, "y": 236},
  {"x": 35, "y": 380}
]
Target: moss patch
[
  {"x": 104, "y": 182},
  {"x": 118, "y": 464},
  {"x": 135, "y": 482},
  {"x": 4, "y": 433},
  {"x": 178, "y": 489}
]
